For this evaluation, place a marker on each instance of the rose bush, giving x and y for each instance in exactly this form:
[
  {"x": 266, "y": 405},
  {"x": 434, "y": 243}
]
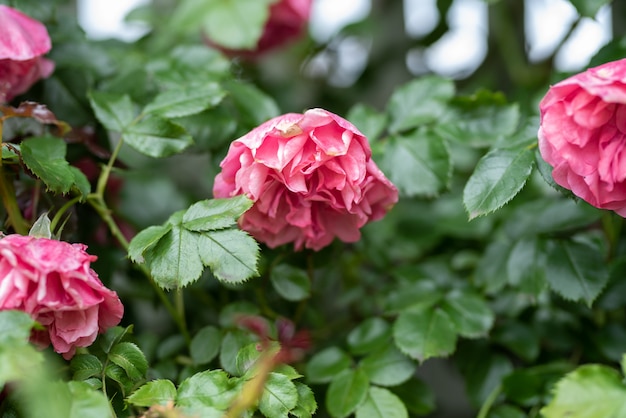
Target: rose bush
[
  {"x": 52, "y": 281},
  {"x": 311, "y": 177},
  {"x": 583, "y": 135},
  {"x": 23, "y": 41}
]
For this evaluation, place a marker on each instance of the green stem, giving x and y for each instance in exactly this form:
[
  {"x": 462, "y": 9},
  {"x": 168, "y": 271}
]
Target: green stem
[
  {"x": 9, "y": 201},
  {"x": 484, "y": 410},
  {"x": 61, "y": 211}
]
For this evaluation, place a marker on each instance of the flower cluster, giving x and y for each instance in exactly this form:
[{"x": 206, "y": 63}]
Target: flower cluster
[
  {"x": 23, "y": 41},
  {"x": 311, "y": 177},
  {"x": 583, "y": 135},
  {"x": 52, "y": 281}
]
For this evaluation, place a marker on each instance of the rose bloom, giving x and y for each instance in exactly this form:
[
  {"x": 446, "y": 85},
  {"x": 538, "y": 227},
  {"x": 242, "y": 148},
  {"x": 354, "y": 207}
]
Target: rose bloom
[
  {"x": 583, "y": 135},
  {"x": 311, "y": 178},
  {"x": 287, "y": 21},
  {"x": 23, "y": 41},
  {"x": 52, "y": 282}
]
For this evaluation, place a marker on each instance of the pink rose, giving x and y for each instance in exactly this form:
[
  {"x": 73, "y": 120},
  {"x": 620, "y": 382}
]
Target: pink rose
[
  {"x": 23, "y": 41},
  {"x": 52, "y": 281},
  {"x": 583, "y": 135},
  {"x": 287, "y": 21},
  {"x": 311, "y": 178}
]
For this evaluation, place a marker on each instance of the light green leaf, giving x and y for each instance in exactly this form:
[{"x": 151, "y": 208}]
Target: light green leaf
[
  {"x": 146, "y": 239},
  {"x": 418, "y": 163},
  {"x": 290, "y": 282},
  {"x": 325, "y": 364},
  {"x": 381, "y": 403},
  {"x": 214, "y": 214},
  {"x": 157, "y": 137},
  {"x": 155, "y": 392},
  {"x": 254, "y": 106},
  {"x": 367, "y": 120},
  {"x": 591, "y": 391},
  {"x": 423, "y": 334},
  {"x": 210, "y": 388},
  {"x": 307, "y": 405},
  {"x": 576, "y": 271},
  {"x": 589, "y": 8},
  {"x": 499, "y": 176},
  {"x": 186, "y": 101},
  {"x": 418, "y": 102},
  {"x": 469, "y": 313},
  {"x": 280, "y": 396},
  {"x": 15, "y": 326},
  {"x": 230, "y": 253},
  {"x": 45, "y": 157},
  {"x": 84, "y": 366},
  {"x": 174, "y": 261},
  {"x": 114, "y": 111},
  {"x": 205, "y": 345},
  {"x": 130, "y": 358},
  {"x": 388, "y": 367},
  {"x": 346, "y": 392},
  {"x": 371, "y": 334},
  {"x": 232, "y": 343},
  {"x": 41, "y": 227}
]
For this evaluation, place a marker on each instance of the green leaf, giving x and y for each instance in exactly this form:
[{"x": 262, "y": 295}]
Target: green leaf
[
  {"x": 15, "y": 326},
  {"x": 174, "y": 261},
  {"x": 499, "y": 176},
  {"x": 370, "y": 335},
  {"x": 418, "y": 163},
  {"x": 326, "y": 364},
  {"x": 576, "y": 271},
  {"x": 367, "y": 120},
  {"x": 417, "y": 396},
  {"x": 210, "y": 388},
  {"x": 418, "y": 102},
  {"x": 157, "y": 137},
  {"x": 280, "y": 396},
  {"x": 507, "y": 411},
  {"x": 483, "y": 371},
  {"x": 41, "y": 227},
  {"x": 423, "y": 334},
  {"x": 469, "y": 313},
  {"x": 492, "y": 267},
  {"x": 254, "y": 106},
  {"x": 290, "y": 282},
  {"x": 113, "y": 336},
  {"x": 520, "y": 338},
  {"x": 84, "y": 366},
  {"x": 146, "y": 239},
  {"x": 346, "y": 392},
  {"x": 591, "y": 391},
  {"x": 155, "y": 392},
  {"x": 526, "y": 265},
  {"x": 381, "y": 403},
  {"x": 388, "y": 367},
  {"x": 232, "y": 342},
  {"x": 589, "y": 8},
  {"x": 214, "y": 214},
  {"x": 45, "y": 157},
  {"x": 233, "y": 24},
  {"x": 205, "y": 345},
  {"x": 119, "y": 375},
  {"x": 129, "y": 357},
  {"x": 115, "y": 111},
  {"x": 230, "y": 253},
  {"x": 187, "y": 101},
  {"x": 307, "y": 405}
]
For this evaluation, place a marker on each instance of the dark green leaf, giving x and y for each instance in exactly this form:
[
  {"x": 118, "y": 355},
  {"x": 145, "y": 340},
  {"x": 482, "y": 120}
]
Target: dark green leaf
[
  {"x": 482, "y": 370},
  {"x": 205, "y": 345},
  {"x": 491, "y": 272},
  {"x": 230, "y": 253},
  {"x": 526, "y": 266},
  {"x": 371, "y": 334},
  {"x": 84, "y": 366},
  {"x": 417, "y": 396},
  {"x": 418, "y": 102},
  {"x": 187, "y": 101},
  {"x": 279, "y": 396},
  {"x": 129, "y": 357},
  {"x": 119, "y": 375},
  {"x": 324, "y": 365},
  {"x": 146, "y": 239},
  {"x": 115, "y": 111},
  {"x": 576, "y": 271},
  {"x": 346, "y": 392},
  {"x": 423, "y": 334},
  {"x": 214, "y": 214},
  {"x": 589, "y": 8},
  {"x": 157, "y": 137},
  {"x": 113, "y": 336},
  {"x": 418, "y": 164},
  {"x": 155, "y": 392},
  {"x": 498, "y": 177},
  {"x": 381, "y": 403},
  {"x": 290, "y": 282},
  {"x": 519, "y": 338},
  {"x": 45, "y": 157},
  {"x": 507, "y": 411},
  {"x": 591, "y": 391},
  {"x": 388, "y": 367},
  {"x": 469, "y": 313}
]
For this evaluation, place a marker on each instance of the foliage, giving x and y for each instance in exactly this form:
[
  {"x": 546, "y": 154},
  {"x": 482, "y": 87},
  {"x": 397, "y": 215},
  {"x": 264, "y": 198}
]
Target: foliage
[{"x": 484, "y": 268}]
